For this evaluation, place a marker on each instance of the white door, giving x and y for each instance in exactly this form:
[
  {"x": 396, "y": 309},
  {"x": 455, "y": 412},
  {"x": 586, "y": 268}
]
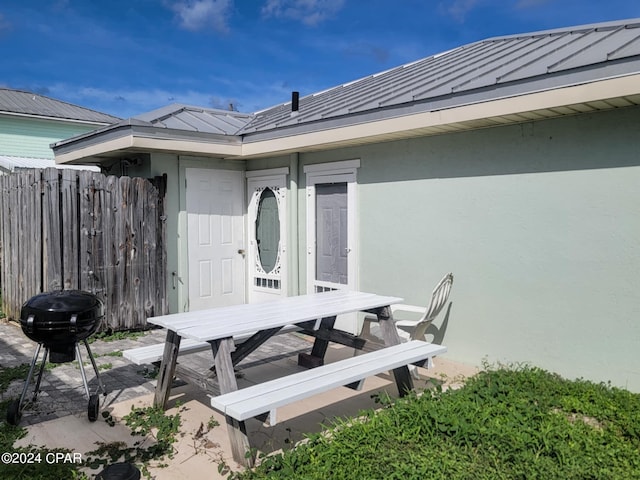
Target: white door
[
  {"x": 267, "y": 235},
  {"x": 215, "y": 230}
]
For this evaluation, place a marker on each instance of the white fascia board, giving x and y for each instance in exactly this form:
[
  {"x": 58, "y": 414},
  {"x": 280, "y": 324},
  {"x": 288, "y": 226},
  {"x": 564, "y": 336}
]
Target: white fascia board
[
  {"x": 575, "y": 94},
  {"x": 150, "y": 144},
  {"x": 98, "y": 149},
  {"x": 205, "y": 148}
]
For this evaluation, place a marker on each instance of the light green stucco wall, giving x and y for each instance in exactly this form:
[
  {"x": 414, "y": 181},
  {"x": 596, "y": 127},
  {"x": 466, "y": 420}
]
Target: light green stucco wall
[
  {"x": 540, "y": 224},
  {"x": 22, "y": 137}
]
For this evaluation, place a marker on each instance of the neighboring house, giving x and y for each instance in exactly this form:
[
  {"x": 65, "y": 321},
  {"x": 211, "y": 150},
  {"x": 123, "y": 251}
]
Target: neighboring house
[
  {"x": 513, "y": 162},
  {"x": 30, "y": 123}
]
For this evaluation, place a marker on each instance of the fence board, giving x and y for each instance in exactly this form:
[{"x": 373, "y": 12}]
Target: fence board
[
  {"x": 79, "y": 229},
  {"x": 124, "y": 247},
  {"x": 34, "y": 240},
  {"x": 69, "y": 229},
  {"x": 4, "y": 233},
  {"x": 14, "y": 271},
  {"x": 137, "y": 264},
  {"x": 51, "y": 234}
]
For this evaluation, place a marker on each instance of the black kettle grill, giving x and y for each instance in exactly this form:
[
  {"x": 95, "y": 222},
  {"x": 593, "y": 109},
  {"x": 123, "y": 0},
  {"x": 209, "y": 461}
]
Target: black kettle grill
[{"x": 58, "y": 321}]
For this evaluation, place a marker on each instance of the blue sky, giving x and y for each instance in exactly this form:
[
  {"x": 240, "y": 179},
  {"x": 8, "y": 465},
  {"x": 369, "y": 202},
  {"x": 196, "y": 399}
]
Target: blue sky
[{"x": 126, "y": 57}]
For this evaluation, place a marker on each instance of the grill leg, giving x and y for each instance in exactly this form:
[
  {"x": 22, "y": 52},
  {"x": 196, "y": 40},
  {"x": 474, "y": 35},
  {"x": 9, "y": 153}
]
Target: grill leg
[
  {"x": 29, "y": 376},
  {"x": 84, "y": 376},
  {"x": 95, "y": 368},
  {"x": 36, "y": 390}
]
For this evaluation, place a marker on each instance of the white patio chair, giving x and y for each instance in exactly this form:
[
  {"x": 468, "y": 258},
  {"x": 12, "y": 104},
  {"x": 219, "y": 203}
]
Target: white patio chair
[{"x": 415, "y": 329}]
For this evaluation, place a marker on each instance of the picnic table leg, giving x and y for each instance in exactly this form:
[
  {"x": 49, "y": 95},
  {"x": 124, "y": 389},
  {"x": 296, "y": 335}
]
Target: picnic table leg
[
  {"x": 227, "y": 381},
  {"x": 391, "y": 337},
  {"x": 319, "y": 350},
  {"x": 167, "y": 369}
]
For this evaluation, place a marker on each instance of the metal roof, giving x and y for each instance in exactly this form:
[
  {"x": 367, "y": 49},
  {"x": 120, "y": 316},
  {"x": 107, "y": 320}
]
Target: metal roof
[
  {"x": 11, "y": 163},
  {"x": 207, "y": 120},
  {"x": 480, "y": 71},
  {"x": 20, "y": 102},
  {"x": 498, "y": 81}
]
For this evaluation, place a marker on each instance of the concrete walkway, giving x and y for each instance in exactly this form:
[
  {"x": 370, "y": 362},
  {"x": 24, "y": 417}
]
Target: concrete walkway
[{"x": 59, "y": 417}]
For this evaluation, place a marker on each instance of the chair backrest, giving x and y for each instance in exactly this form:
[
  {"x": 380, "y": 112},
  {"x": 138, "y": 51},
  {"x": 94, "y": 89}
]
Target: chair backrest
[{"x": 439, "y": 298}]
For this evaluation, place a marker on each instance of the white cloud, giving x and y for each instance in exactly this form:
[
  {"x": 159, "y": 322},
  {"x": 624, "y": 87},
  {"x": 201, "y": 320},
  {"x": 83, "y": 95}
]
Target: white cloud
[
  {"x": 125, "y": 102},
  {"x": 458, "y": 9},
  {"x": 198, "y": 14},
  {"x": 309, "y": 12}
]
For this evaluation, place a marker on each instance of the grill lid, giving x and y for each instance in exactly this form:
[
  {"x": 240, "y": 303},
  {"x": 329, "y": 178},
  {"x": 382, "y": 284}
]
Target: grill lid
[
  {"x": 60, "y": 319},
  {"x": 58, "y": 306}
]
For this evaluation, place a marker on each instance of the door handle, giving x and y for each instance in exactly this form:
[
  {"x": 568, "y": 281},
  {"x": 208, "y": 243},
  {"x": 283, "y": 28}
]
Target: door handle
[{"x": 242, "y": 252}]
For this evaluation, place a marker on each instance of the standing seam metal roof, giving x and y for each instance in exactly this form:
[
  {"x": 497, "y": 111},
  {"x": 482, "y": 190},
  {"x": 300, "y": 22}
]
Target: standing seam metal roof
[
  {"x": 495, "y": 68},
  {"x": 29, "y": 103},
  {"x": 485, "y": 64},
  {"x": 197, "y": 119}
]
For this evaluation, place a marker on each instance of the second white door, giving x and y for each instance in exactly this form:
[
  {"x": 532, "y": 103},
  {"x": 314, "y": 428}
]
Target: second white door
[{"x": 215, "y": 229}]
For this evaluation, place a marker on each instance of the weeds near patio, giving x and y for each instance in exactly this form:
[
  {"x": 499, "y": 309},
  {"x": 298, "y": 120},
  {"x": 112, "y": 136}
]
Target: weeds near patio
[
  {"x": 158, "y": 432},
  {"x": 111, "y": 336},
  {"x": 509, "y": 423}
]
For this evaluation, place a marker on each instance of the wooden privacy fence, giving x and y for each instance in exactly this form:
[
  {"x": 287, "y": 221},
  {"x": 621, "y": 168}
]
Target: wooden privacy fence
[{"x": 76, "y": 229}]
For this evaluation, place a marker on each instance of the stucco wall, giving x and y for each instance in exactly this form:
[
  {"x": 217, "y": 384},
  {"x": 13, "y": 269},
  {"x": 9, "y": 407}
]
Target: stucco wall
[{"x": 540, "y": 224}]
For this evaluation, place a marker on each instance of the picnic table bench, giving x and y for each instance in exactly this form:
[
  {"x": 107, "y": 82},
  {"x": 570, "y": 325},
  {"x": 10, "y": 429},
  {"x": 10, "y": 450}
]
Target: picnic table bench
[
  {"x": 153, "y": 353},
  {"x": 266, "y": 397},
  {"x": 315, "y": 314}
]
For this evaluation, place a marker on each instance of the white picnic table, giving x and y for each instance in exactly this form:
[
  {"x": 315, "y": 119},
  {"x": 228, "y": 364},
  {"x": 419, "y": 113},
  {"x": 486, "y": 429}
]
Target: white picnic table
[{"x": 314, "y": 313}]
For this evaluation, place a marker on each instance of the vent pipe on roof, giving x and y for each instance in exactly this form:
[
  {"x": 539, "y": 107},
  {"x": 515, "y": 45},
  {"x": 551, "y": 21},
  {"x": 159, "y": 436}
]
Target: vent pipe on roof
[{"x": 295, "y": 101}]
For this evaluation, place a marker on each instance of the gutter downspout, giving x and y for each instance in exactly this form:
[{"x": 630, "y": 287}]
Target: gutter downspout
[{"x": 294, "y": 228}]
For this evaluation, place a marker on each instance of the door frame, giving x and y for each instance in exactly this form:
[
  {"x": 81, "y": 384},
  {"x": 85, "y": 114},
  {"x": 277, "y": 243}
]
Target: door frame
[
  {"x": 276, "y": 180},
  {"x": 334, "y": 172}
]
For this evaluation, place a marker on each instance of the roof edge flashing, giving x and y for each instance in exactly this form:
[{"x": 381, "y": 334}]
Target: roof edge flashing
[{"x": 411, "y": 124}]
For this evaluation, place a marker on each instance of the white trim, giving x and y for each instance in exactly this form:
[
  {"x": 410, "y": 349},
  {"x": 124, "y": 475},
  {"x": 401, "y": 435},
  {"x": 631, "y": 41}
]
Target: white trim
[
  {"x": 462, "y": 117},
  {"x": 267, "y": 173},
  {"x": 272, "y": 178},
  {"x": 334, "y": 172},
  {"x": 346, "y": 166},
  {"x": 503, "y": 110}
]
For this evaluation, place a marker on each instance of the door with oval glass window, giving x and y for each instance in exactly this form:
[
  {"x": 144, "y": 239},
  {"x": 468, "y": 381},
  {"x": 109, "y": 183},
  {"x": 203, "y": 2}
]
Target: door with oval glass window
[{"x": 267, "y": 236}]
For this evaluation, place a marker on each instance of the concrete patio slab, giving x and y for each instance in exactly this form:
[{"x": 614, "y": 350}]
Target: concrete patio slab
[{"x": 201, "y": 449}]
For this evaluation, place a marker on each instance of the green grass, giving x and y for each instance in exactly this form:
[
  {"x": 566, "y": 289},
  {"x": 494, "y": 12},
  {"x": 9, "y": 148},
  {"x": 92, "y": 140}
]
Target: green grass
[
  {"x": 518, "y": 423},
  {"x": 505, "y": 423}
]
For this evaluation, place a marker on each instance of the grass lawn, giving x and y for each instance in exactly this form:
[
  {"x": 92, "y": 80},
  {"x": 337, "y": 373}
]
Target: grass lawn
[
  {"x": 517, "y": 423},
  {"x": 504, "y": 423}
]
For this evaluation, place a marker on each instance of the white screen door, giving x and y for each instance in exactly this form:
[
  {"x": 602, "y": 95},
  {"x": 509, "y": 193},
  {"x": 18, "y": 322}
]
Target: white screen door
[
  {"x": 267, "y": 234},
  {"x": 215, "y": 230}
]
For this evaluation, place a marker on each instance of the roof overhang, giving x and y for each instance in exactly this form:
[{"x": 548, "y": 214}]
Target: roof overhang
[
  {"x": 623, "y": 91},
  {"x": 130, "y": 137},
  {"x": 402, "y": 122}
]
